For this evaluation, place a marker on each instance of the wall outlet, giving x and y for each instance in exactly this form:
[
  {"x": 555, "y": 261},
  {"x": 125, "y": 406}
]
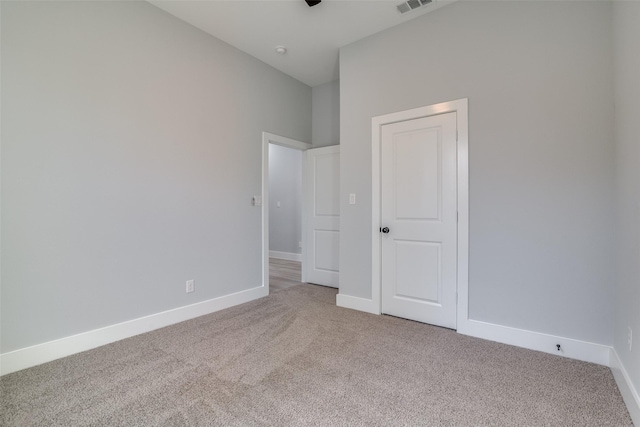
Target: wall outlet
[
  {"x": 630, "y": 337},
  {"x": 191, "y": 287}
]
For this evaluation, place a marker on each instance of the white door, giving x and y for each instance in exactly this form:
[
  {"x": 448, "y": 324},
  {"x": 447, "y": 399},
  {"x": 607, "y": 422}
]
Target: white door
[
  {"x": 419, "y": 219},
  {"x": 322, "y": 214}
]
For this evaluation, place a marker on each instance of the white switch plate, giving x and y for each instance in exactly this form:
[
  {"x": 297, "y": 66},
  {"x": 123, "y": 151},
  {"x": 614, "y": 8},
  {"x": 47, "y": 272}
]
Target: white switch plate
[
  {"x": 256, "y": 201},
  {"x": 352, "y": 199},
  {"x": 190, "y": 286}
]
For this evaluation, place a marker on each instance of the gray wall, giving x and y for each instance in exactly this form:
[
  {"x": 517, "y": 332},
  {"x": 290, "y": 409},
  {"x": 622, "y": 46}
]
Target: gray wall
[
  {"x": 131, "y": 147},
  {"x": 538, "y": 76},
  {"x": 285, "y": 186},
  {"x": 325, "y": 110},
  {"x": 626, "y": 25}
]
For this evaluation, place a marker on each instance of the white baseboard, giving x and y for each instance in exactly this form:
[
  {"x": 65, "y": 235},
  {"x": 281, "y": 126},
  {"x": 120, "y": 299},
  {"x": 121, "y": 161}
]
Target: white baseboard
[
  {"x": 285, "y": 255},
  {"x": 625, "y": 385},
  {"x": 572, "y": 348},
  {"x": 41, "y": 353},
  {"x": 356, "y": 303}
]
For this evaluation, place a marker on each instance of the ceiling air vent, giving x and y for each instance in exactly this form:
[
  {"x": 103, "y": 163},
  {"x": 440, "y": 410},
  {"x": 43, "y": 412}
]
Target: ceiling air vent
[{"x": 409, "y": 5}]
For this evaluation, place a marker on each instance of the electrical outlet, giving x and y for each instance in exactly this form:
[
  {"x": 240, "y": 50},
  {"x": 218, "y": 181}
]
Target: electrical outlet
[
  {"x": 630, "y": 337},
  {"x": 191, "y": 287}
]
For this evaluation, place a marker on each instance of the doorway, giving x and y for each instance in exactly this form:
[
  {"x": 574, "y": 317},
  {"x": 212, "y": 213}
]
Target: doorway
[
  {"x": 320, "y": 211},
  {"x": 285, "y": 217},
  {"x": 269, "y": 139},
  {"x": 285, "y": 203}
]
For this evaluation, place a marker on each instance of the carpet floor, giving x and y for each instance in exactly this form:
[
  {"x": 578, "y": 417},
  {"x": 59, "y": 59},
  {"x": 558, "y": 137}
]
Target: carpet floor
[{"x": 294, "y": 358}]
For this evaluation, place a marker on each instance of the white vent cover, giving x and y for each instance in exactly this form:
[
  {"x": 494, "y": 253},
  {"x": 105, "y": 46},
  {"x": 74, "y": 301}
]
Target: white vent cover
[{"x": 409, "y": 5}]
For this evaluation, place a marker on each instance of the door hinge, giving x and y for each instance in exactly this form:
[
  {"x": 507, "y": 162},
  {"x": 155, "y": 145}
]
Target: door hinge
[{"x": 457, "y": 217}]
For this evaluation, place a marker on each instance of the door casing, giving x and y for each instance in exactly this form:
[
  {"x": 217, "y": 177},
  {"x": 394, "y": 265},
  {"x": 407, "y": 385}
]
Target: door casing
[{"x": 459, "y": 106}]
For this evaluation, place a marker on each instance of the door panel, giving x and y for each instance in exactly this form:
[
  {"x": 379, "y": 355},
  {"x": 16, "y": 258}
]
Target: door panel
[
  {"x": 419, "y": 254},
  {"x": 418, "y": 271},
  {"x": 326, "y": 184},
  {"x": 323, "y": 215},
  {"x": 417, "y": 179},
  {"x": 327, "y": 244}
]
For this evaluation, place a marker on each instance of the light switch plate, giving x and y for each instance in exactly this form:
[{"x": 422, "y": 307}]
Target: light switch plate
[
  {"x": 190, "y": 286},
  {"x": 352, "y": 199}
]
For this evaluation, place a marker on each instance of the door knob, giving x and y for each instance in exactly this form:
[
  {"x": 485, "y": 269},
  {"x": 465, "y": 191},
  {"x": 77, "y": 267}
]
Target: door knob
[{"x": 385, "y": 230}]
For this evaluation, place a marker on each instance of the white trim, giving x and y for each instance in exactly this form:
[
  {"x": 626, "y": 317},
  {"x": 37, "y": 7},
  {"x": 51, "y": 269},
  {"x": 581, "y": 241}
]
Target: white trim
[
  {"x": 355, "y": 303},
  {"x": 571, "y": 348},
  {"x": 0, "y": 221},
  {"x": 625, "y": 385},
  {"x": 376, "y": 242},
  {"x": 304, "y": 258},
  {"x": 41, "y": 353},
  {"x": 460, "y": 107},
  {"x": 270, "y": 138},
  {"x": 285, "y": 255},
  {"x": 284, "y": 141}
]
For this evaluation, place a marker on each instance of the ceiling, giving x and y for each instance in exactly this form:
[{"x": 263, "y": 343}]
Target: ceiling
[{"x": 312, "y": 35}]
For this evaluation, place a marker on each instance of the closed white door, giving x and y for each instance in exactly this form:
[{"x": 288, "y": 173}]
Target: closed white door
[
  {"x": 419, "y": 219},
  {"x": 322, "y": 216}
]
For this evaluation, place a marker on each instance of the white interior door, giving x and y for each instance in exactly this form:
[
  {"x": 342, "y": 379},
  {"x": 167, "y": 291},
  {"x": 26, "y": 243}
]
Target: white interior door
[
  {"x": 322, "y": 211},
  {"x": 419, "y": 219}
]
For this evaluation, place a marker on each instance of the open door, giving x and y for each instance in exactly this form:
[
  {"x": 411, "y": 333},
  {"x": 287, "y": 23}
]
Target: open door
[{"x": 321, "y": 239}]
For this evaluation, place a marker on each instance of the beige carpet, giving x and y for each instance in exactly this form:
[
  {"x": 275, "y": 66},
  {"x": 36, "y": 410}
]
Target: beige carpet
[{"x": 294, "y": 358}]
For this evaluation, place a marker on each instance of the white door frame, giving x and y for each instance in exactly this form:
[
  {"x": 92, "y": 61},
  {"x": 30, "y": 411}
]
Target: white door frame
[
  {"x": 270, "y": 138},
  {"x": 460, "y": 107}
]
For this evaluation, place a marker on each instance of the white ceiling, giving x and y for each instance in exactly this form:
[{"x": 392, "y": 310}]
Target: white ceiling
[{"x": 312, "y": 35}]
